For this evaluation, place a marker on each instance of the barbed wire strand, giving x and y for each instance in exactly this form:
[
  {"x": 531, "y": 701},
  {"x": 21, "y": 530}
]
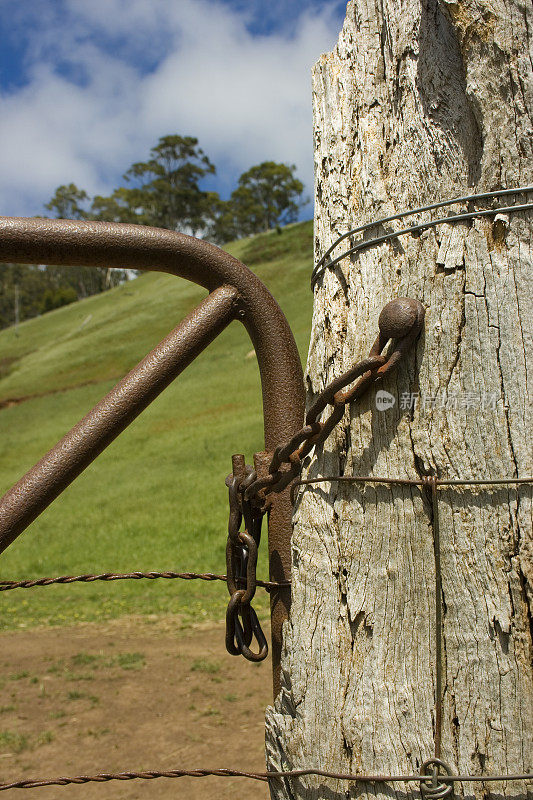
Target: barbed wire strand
[
  {"x": 104, "y": 777},
  {"x": 6, "y": 585}
]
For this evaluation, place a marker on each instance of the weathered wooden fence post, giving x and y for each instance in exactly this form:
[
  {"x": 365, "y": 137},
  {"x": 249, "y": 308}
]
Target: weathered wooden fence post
[{"x": 421, "y": 100}]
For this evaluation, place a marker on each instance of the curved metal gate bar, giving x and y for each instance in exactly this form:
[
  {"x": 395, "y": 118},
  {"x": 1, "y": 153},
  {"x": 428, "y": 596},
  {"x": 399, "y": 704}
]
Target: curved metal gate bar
[{"x": 235, "y": 293}]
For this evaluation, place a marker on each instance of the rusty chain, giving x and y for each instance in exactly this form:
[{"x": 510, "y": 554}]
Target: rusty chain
[
  {"x": 400, "y": 322},
  {"x": 242, "y": 624}
]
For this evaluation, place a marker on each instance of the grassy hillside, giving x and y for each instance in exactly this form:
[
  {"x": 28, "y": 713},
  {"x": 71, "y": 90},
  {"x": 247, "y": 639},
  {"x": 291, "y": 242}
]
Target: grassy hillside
[{"x": 156, "y": 498}]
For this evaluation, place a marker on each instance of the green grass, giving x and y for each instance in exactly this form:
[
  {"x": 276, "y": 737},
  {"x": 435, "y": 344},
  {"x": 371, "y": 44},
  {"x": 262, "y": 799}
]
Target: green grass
[
  {"x": 13, "y": 742},
  {"x": 83, "y": 696},
  {"x": 84, "y": 660},
  {"x": 155, "y": 499},
  {"x": 203, "y": 665},
  {"x": 131, "y": 660}
]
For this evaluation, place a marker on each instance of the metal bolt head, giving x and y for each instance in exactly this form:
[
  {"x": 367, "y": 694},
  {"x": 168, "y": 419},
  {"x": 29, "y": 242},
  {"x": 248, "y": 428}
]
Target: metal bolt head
[{"x": 399, "y": 317}]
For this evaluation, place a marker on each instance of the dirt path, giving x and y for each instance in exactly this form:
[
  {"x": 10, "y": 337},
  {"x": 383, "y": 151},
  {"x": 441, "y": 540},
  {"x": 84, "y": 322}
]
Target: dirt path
[{"x": 131, "y": 694}]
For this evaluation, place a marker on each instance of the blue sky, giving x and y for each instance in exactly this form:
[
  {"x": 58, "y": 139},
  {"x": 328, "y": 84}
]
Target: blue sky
[{"x": 88, "y": 86}]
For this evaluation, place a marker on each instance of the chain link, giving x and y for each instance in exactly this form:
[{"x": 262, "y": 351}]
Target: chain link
[
  {"x": 242, "y": 624},
  {"x": 400, "y": 322}
]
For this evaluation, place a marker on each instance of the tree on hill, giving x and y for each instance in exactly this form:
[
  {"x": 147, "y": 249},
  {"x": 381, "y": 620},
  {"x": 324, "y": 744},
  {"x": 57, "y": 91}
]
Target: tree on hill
[
  {"x": 220, "y": 223},
  {"x": 67, "y": 202},
  {"x": 268, "y": 195},
  {"x": 56, "y": 298},
  {"x": 163, "y": 191},
  {"x": 27, "y": 291},
  {"x": 118, "y": 207},
  {"x": 167, "y": 192}
]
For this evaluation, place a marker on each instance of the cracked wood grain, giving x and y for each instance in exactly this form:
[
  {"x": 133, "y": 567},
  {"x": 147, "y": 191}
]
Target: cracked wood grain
[{"x": 419, "y": 101}]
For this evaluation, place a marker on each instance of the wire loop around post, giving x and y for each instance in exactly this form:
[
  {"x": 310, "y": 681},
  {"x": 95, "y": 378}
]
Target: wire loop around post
[
  {"x": 325, "y": 262},
  {"x": 432, "y": 788}
]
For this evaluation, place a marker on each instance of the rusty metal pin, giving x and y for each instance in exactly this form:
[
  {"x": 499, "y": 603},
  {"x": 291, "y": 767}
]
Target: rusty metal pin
[
  {"x": 238, "y": 464},
  {"x": 398, "y": 317}
]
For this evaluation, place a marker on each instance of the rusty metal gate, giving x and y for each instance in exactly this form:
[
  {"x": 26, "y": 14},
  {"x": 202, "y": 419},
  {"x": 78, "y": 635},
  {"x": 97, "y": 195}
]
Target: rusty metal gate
[{"x": 234, "y": 293}]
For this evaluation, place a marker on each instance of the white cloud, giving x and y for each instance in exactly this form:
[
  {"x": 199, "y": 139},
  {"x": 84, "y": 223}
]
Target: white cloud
[{"x": 90, "y": 108}]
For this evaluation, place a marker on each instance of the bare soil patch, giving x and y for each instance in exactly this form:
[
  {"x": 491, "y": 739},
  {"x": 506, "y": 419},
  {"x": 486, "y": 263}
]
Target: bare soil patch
[{"x": 131, "y": 694}]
